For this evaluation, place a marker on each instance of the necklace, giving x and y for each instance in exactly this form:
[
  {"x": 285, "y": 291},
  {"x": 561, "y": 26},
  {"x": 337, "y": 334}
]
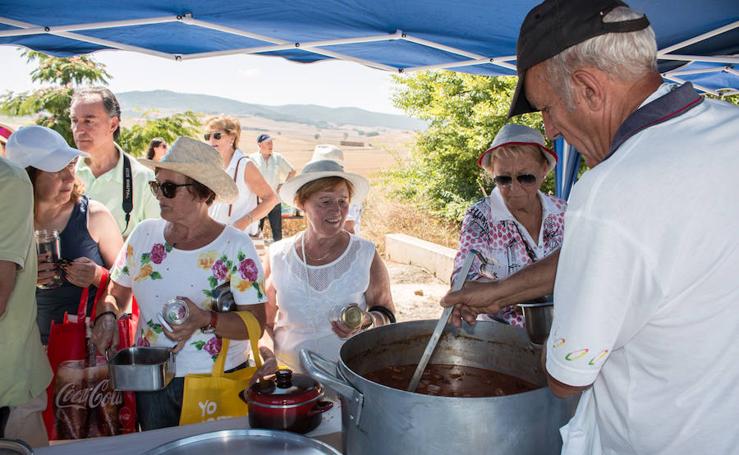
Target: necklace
[{"x": 306, "y": 257}]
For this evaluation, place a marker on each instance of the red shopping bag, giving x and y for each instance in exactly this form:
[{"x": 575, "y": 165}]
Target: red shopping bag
[{"x": 82, "y": 401}]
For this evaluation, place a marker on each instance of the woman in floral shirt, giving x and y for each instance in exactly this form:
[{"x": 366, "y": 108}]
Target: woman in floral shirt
[
  {"x": 517, "y": 224},
  {"x": 186, "y": 254}
]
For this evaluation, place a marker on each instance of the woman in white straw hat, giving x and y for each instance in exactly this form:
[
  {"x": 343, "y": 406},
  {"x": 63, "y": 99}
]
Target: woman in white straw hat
[
  {"x": 324, "y": 268},
  {"x": 517, "y": 224},
  {"x": 332, "y": 152},
  {"x": 88, "y": 238},
  {"x": 185, "y": 255}
]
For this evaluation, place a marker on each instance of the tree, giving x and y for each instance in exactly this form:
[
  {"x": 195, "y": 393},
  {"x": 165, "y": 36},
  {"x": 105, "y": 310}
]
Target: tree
[
  {"x": 51, "y": 103},
  {"x": 135, "y": 140},
  {"x": 464, "y": 113}
]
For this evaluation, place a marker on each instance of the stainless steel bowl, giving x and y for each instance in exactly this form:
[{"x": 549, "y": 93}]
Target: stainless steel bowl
[
  {"x": 538, "y": 320},
  {"x": 142, "y": 369}
]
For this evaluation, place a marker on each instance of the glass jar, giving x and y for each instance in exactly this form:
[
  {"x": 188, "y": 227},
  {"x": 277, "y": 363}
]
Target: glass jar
[{"x": 49, "y": 250}]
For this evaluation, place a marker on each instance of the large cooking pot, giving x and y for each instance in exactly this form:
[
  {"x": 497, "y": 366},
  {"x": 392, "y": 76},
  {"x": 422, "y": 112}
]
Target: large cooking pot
[{"x": 379, "y": 419}]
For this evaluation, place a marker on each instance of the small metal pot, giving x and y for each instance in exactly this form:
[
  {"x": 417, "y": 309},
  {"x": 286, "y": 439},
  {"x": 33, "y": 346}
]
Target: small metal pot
[
  {"x": 286, "y": 401},
  {"x": 538, "y": 320},
  {"x": 142, "y": 369}
]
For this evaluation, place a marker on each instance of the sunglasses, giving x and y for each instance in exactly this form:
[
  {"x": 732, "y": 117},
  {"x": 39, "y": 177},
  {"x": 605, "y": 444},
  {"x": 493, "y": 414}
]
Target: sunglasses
[
  {"x": 523, "y": 179},
  {"x": 217, "y": 135},
  {"x": 168, "y": 189}
]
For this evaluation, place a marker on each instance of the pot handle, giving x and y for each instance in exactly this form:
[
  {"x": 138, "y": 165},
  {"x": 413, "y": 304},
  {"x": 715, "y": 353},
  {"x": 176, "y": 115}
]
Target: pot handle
[
  {"x": 354, "y": 399},
  {"x": 321, "y": 407}
]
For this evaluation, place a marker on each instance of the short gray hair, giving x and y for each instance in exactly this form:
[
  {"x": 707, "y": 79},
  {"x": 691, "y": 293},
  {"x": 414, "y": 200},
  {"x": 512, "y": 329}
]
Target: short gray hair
[
  {"x": 110, "y": 102},
  {"x": 625, "y": 56}
]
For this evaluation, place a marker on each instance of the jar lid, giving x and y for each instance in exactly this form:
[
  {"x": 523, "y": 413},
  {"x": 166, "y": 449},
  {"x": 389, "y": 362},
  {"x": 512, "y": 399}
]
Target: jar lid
[{"x": 284, "y": 388}]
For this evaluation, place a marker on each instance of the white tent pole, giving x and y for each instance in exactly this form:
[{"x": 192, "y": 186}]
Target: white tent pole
[
  {"x": 699, "y": 87},
  {"x": 37, "y": 30},
  {"x": 101, "y": 42},
  {"x": 702, "y": 58},
  {"x": 698, "y": 38},
  {"x": 481, "y": 61},
  {"x": 678, "y": 72}
]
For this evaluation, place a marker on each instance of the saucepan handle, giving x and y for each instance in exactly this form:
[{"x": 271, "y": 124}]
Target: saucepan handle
[
  {"x": 320, "y": 407},
  {"x": 315, "y": 365}
]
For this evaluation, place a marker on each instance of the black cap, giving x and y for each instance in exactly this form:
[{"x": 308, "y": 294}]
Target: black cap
[
  {"x": 556, "y": 25},
  {"x": 263, "y": 137}
]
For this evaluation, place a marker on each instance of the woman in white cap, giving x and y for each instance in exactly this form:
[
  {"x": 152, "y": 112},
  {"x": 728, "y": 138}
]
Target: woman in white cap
[
  {"x": 255, "y": 197},
  {"x": 88, "y": 238},
  {"x": 324, "y": 268},
  {"x": 517, "y": 224},
  {"x": 185, "y": 255}
]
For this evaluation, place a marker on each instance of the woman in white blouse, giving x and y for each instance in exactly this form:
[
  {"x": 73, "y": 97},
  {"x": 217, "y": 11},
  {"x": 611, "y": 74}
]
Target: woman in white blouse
[{"x": 322, "y": 268}]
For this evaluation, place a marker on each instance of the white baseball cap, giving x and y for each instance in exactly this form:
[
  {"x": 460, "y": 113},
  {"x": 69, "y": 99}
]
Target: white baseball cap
[{"x": 40, "y": 147}]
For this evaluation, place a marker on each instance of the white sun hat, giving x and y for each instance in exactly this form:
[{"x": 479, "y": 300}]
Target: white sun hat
[
  {"x": 40, "y": 147},
  {"x": 315, "y": 170},
  {"x": 513, "y": 134},
  {"x": 327, "y": 152},
  {"x": 200, "y": 162}
]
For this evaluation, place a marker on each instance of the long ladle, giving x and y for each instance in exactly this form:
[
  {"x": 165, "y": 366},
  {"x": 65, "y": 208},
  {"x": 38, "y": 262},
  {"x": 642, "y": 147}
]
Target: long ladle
[{"x": 434, "y": 340}]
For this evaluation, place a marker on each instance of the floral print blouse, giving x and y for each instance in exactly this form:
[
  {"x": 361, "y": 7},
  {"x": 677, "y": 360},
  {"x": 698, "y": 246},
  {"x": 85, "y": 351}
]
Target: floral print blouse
[
  {"x": 505, "y": 244},
  {"x": 158, "y": 272}
]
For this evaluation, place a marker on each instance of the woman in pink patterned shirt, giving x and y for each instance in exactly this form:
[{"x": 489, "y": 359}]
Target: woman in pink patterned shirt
[{"x": 517, "y": 224}]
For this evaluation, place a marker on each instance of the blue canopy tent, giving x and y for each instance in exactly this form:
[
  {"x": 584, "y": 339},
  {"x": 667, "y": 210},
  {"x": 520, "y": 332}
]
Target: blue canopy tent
[{"x": 698, "y": 41}]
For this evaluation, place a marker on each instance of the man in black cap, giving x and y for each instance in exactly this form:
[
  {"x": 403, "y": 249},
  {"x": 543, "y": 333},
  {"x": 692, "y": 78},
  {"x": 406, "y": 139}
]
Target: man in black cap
[
  {"x": 275, "y": 169},
  {"x": 646, "y": 291}
]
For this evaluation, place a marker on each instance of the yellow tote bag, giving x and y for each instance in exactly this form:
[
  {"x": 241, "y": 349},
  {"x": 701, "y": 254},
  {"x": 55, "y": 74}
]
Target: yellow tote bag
[{"x": 215, "y": 396}]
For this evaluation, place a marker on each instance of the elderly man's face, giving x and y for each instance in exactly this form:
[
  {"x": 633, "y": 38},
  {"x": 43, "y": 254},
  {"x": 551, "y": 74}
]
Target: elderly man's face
[
  {"x": 266, "y": 147},
  {"x": 92, "y": 128},
  {"x": 559, "y": 120}
]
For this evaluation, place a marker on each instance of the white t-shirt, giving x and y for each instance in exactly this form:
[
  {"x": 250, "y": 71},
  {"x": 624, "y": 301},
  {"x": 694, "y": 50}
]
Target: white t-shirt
[
  {"x": 245, "y": 203},
  {"x": 303, "y": 320},
  {"x": 157, "y": 272},
  {"x": 647, "y": 289}
]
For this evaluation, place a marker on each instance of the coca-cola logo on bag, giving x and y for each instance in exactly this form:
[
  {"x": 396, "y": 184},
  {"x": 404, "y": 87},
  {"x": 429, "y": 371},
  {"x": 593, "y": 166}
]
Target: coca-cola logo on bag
[{"x": 71, "y": 395}]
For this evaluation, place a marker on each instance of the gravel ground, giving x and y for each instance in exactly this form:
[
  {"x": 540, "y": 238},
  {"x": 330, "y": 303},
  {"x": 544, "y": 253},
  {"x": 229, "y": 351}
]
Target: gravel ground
[{"x": 416, "y": 293}]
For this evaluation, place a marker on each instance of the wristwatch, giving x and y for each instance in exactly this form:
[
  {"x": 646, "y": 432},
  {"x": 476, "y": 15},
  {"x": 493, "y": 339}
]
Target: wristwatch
[{"x": 211, "y": 327}]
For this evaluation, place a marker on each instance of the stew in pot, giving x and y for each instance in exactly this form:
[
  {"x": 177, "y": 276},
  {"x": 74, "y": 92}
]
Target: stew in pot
[{"x": 452, "y": 381}]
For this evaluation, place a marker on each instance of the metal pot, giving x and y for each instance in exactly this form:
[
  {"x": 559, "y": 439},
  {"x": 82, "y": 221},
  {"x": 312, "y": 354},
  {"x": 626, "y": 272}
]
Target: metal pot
[
  {"x": 378, "y": 419},
  {"x": 538, "y": 318},
  {"x": 142, "y": 369},
  {"x": 286, "y": 401}
]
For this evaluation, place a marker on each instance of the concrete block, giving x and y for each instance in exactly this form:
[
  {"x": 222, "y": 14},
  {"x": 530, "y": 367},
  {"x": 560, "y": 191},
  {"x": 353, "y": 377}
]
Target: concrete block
[{"x": 406, "y": 249}]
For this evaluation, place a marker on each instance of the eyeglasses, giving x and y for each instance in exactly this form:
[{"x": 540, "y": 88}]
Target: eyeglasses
[
  {"x": 523, "y": 179},
  {"x": 217, "y": 135},
  {"x": 168, "y": 189}
]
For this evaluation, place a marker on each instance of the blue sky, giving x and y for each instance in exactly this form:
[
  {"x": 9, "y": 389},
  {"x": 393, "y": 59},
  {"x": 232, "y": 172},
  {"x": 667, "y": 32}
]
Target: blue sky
[{"x": 252, "y": 79}]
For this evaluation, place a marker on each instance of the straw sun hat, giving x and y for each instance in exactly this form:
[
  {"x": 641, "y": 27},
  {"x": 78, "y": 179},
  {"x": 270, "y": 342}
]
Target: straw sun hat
[
  {"x": 200, "y": 162},
  {"x": 319, "y": 169}
]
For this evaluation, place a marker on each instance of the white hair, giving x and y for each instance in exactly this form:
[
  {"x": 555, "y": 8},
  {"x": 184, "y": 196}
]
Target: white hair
[{"x": 624, "y": 56}]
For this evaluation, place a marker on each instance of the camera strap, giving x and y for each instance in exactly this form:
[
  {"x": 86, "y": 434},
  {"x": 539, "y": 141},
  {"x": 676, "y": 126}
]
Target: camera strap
[{"x": 127, "y": 204}]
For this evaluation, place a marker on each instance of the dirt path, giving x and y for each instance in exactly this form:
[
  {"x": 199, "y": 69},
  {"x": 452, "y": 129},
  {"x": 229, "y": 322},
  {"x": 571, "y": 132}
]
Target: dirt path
[{"x": 416, "y": 293}]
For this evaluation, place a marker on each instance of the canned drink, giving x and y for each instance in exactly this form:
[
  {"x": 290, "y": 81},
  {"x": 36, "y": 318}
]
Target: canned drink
[
  {"x": 175, "y": 311},
  {"x": 350, "y": 315}
]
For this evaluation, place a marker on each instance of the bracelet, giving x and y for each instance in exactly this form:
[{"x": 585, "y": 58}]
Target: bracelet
[
  {"x": 384, "y": 311},
  {"x": 104, "y": 313}
]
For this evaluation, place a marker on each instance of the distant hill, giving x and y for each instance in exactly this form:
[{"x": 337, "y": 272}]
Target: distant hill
[{"x": 165, "y": 101}]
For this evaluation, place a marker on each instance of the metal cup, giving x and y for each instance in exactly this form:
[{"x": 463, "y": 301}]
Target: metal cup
[
  {"x": 538, "y": 320},
  {"x": 49, "y": 250}
]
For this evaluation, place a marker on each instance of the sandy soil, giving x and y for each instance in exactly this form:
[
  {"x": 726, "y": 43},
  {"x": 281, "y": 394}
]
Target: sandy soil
[{"x": 416, "y": 293}]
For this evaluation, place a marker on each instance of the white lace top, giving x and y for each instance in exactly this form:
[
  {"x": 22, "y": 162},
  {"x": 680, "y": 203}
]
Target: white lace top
[{"x": 306, "y": 294}]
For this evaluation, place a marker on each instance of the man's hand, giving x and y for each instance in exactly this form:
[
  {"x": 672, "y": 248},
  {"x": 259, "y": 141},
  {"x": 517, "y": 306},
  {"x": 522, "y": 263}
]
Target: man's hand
[{"x": 475, "y": 298}]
